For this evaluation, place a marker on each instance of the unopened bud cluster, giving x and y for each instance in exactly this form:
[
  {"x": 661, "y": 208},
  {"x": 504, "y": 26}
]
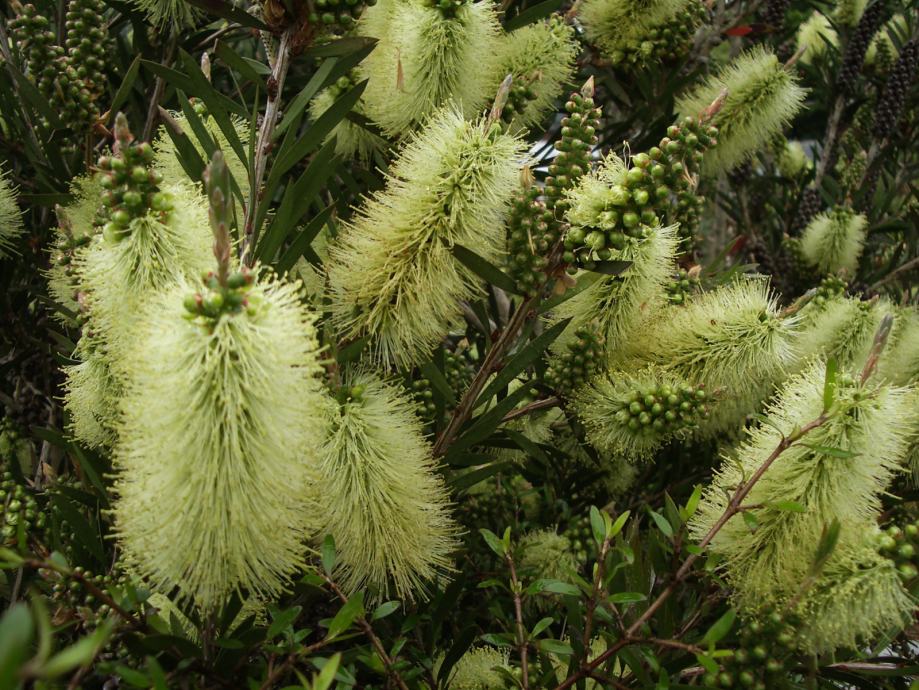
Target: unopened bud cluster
[
  {"x": 130, "y": 184},
  {"x": 684, "y": 284},
  {"x": 531, "y": 234},
  {"x": 830, "y": 287},
  {"x": 73, "y": 594},
  {"x": 217, "y": 300},
  {"x": 72, "y": 79},
  {"x": 659, "y": 184},
  {"x": 762, "y": 657},
  {"x": 664, "y": 42},
  {"x": 901, "y": 545},
  {"x": 579, "y": 363},
  {"x": 581, "y": 539},
  {"x": 19, "y": 512},
  {"x": 664, "y": 409},
  {"x": 578, "y": 137},
  {"x": 342, "y": 14}
]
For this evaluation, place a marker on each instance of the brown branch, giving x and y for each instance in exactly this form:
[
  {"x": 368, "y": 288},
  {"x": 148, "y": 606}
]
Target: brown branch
[
  {"x": 263, "y": 144},
  {"x": 535, "y": 406},
  {"x": 522, "y": 643}
]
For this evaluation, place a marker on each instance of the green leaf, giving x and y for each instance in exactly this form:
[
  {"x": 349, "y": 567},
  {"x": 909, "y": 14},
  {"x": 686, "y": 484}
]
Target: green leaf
[
  {"x": 485, "y": 424},
  {"x": 226, "y": 10},
  {"x": 708, "y": 663},
  {"x": 661, "y": 523},
  {"x": 78, "y": 654},
  {"x": 610, "y": 268},
  {"x": 584, "y": 282},
  {"x": 494, "y": 543},
  {"x": 829, "y": 384},
  {"x": 750, "y": 520},
  {"x": 342, "y": 46},
  {"x": 384, "y": 609},
  {"x": 10, "y": 559},
  {"x": 524, "y": 358},
  {"x": 485, "y": 269},
  {"x": 352, "y": 350},
  {"x": 281, "y": 621},
  {"x": 84, "y": 533},
  {"x": 597, "y": 525},
  {"x": 246, "y": 68},
  {"x": 619, "y": 524},
  {"x": 532, "y": 14},
  {"x": 626, "y": 597},
  {"x": 328, "y": 554},
  {"x": 348, "y": 613},
  {"x": 555, "y": 647},
  {"x": 15, "y": 636},
  {"x": 827, "y": 450},
  {"x": 720, "y": 628},
  {"x": 326, "y": 676},
  {"x": 825, "y": 547},
  {"x": 300, "y": 245},
  {"x": 557, "y": 587},
  {"x": 127, "y": 83},
  {"x": 460, "y": 645},
  {"x": 541, "y": 625}
]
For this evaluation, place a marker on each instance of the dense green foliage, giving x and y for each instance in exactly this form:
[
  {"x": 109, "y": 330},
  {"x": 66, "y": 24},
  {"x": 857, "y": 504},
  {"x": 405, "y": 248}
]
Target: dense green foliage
[{"x": 431, "y": 344}]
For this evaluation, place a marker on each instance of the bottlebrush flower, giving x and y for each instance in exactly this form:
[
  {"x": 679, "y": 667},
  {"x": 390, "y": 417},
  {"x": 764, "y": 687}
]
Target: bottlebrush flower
[
  {"x": 479, "y": 669},
  {"x": 392, "y": 274},
  {"x": 732, "y": 340},
  {"x": 899, "y": 363},
  {"x": 833, "y": 240},
  {"x": 168, "y": 15},
  {"x": 762, "y": 98},
  {"x": 218, "y": 429},
  {"x": 91, "y": 395},
  {"x": 426, "y": 58},
  {"x": 351, "y": 139},
  {"x": 842, "y": 329},
  {"x": 10, "y": 216},
  {"x": 814, "y": 35},
  {"x": 869, "y": 433},
  {"x": 540, "y": 58},
  {"x": 382, "y": 499}
]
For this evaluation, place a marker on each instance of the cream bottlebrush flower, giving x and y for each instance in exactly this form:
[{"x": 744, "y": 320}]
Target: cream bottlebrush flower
[
  {"x": 382, "y": 498},
  {"x": 121, "y": 274},
  {"x": 215, "y": 460},
  {"x": 91, "y": 395},
  {"x": 793, "y": 160},
  {"x": 425, "y": 60},
  {"x": 167, "y": 162},
  {"x": 351, "y": 140},
  {"x": 872, "y": 425},
  {"x": 762, "y": 98},
  {"x": 10, "y": 216},
  {"x": 75, "y": 229},
  {"x": 540, "y": 58},
  {"x": 833, "y": 240},
  {"x": 478, "y": 669},
  {"x": 733, "y": 340},
  {"x": 631, "y": 414},
  {"x": 613, "y": 24},
  {"x": 546, "y": 555},
  {"x": 168, "y": 15},
  {"x": 899, "y": 363},
  {"x": 842, "y": 329},
  {"x": 858, "y": 596},
  {"x": 849, "y": 12},
  {"x": 392, "y": 274},
  {"x": 814, "y": 35}
]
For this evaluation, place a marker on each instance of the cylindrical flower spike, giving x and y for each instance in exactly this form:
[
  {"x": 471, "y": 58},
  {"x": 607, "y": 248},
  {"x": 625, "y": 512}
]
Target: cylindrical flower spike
[
  {"x": 762, "y": 98},
  {"x": 814, "y": 36},
  {"x": 899, "y": 363},
  {"x": 218, "y": 429},
  {"x": 382, "y": 499},
  {"x": 10, "y": 216},
  {"x": 540, "y": 58},
  {"x": 91, "y": 395},
  {"x": 168, "y": 15},
  {"x": 842, "y": 329},
  {"x": 733, "y": 340},
  {"x": 479, "y": 669},
  {"x": 427, "y": 57},
  {"x": 393, "y": 274},
  {"x": 839, "y": 471},
  {"x": 833, "y": 240},
  {"x": 632, "y": 414},
  {"x": 351, "y": 139}
]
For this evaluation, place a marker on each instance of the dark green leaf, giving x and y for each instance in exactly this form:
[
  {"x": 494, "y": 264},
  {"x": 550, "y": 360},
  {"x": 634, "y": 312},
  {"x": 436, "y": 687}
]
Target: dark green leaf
[
  {"x": 226, "y": 10},
  {"x": 484, "y": 269},
  {"x": 348, "y": 613},
  {"x": 720, "y": 628}
]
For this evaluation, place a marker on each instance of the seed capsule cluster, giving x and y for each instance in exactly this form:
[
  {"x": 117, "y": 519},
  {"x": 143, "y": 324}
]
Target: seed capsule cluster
[
  {"x": 682, "y": 286},
  {"x": 901, "y": 545},
  {"x": 890, "y": 104},
  {"x": 218, "y": 299},
  {"x": 531, "y": 233},
  {"x": 659, "y": 184},
  {"x": 578, "y": 363},
  {"x": 458, "y": 372},
  {"x": 664, "y": 42},
  {"x": 130, "y": 184},
  {"x": 73, "y": 594},
  {"x": 664, "y": 409},
  {"x": 762, "y": 657},
  {"x": 340, "y": 14},
  {"x": 18, "y": 511},
  {"x": 578, "y": 137},
  {"x": 72, "y": 79}
]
